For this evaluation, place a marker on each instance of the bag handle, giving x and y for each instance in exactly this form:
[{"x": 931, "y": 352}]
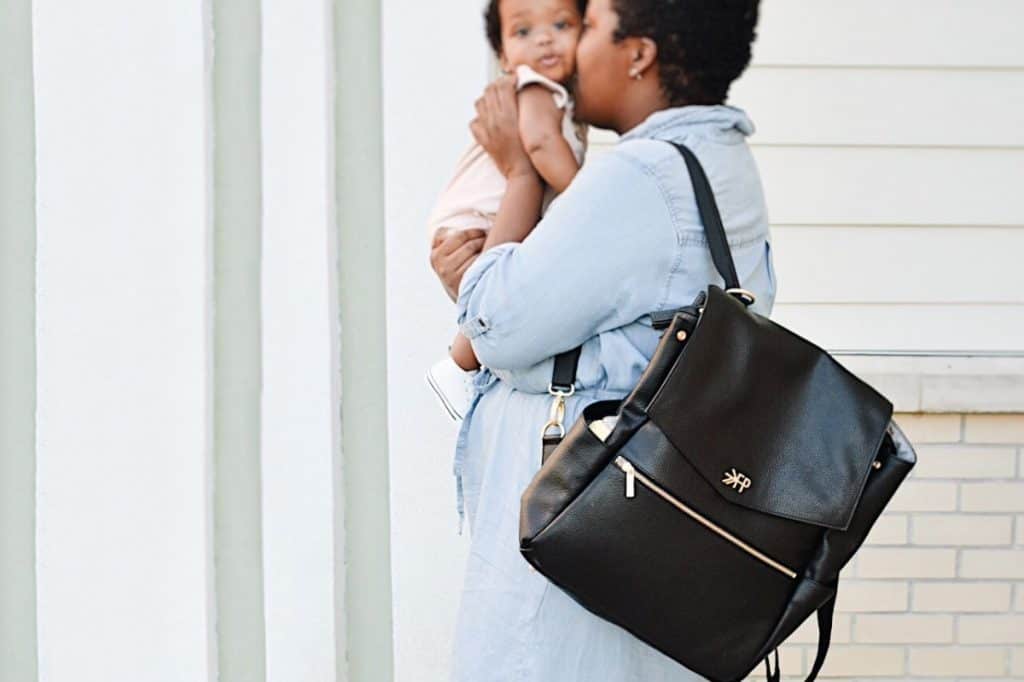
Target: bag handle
[
  {"x": 825, "y": 615},
  {"x": 564, "y": 372}
]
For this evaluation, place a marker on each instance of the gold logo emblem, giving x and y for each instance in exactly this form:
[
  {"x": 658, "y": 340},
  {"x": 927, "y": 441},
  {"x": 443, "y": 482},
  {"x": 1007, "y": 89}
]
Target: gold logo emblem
[{"x": 736, "y": 481}]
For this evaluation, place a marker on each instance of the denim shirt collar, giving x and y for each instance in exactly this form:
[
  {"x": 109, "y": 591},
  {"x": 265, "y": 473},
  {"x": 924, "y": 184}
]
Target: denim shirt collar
[{"x": 708, "y": 119}]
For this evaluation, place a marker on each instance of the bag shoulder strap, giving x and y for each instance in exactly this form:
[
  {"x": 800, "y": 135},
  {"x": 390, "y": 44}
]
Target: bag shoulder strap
[
  {"x": 824, "y": 635},
  {"x": 825, "y": 616},
  {"x": 564, "y": 372},
  {"x": 711, "y": 218}
]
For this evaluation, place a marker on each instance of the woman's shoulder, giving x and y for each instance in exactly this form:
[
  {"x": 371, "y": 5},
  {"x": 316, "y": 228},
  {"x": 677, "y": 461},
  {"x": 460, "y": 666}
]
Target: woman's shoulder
[
  {"x": 730, "y": 168},
  {"x": 661, "y": 157},
  {"x": 657, "y": 159}
]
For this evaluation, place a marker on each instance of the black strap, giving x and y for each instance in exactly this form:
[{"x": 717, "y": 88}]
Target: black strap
[
  {"x": 564, "y": 373},
  {"x": 825, "y": 614},
  {"x": 770, "y": 675},
  {"x": 824, "y": 634},
  {"x": 711, "y": 218}
]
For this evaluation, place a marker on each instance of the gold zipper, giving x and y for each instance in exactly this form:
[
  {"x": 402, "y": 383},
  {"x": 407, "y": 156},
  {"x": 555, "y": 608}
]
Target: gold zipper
[{"x": 632, "y": 475}]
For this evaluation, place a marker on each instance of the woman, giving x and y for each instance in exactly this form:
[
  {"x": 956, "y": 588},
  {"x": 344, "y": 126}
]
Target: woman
[{"x": 623, "y": 240}]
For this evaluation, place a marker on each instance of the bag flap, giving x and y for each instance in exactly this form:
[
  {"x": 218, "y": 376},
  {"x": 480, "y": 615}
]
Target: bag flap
[{"x": 772, "y": 421}]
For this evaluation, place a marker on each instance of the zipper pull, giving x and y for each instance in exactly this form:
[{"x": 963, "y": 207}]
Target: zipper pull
[{"x": 627, "y": 467}]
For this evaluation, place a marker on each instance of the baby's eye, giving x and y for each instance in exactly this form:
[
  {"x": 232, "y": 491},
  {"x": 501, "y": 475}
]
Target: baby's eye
[
  {"x": 521, "y": 32},
  {"x": 562, "y": 25}
]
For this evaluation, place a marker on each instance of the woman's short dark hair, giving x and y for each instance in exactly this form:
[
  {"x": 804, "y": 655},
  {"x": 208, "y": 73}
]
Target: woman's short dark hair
[
  {"x": 703, "y": 45},
  {"x": 492, "y": 22}
]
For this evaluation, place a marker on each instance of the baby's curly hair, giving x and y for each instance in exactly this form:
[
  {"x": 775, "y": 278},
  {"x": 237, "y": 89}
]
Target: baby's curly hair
[
  {"x": 492, "y": 22},
  {"x": 703, "y": 45}
]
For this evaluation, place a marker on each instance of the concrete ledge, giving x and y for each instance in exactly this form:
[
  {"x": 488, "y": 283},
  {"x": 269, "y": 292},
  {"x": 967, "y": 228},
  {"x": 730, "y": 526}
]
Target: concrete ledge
[{"x": 990, "y": 384}]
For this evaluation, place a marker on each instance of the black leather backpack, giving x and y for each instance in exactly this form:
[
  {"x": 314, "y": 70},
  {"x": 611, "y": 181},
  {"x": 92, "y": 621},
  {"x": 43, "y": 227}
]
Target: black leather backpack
[{"x": 741, "y": 474}]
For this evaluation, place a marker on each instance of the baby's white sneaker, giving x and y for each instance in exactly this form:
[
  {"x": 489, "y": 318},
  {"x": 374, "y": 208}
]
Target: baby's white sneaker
[{"x": 452, "y": 385}]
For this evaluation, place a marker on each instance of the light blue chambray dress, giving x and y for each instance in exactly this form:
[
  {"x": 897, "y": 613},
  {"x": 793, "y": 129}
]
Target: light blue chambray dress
[{"x": 623, "y": 240}]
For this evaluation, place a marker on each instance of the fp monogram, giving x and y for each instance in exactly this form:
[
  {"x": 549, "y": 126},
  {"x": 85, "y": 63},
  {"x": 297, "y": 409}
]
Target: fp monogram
[{"x": 736, "y": 480}]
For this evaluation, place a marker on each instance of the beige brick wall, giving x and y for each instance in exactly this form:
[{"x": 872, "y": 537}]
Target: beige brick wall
[{"x": 937, "y": 591}]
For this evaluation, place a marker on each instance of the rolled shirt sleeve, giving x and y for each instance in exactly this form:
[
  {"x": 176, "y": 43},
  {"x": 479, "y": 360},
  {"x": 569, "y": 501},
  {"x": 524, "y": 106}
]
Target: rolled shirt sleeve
[{"x": 601, "y": 257}]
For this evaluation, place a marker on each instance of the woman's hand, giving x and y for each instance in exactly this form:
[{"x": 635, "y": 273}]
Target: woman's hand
[
  {"x": 496, "y": 127},
  {"x": 451, "y": 254}
]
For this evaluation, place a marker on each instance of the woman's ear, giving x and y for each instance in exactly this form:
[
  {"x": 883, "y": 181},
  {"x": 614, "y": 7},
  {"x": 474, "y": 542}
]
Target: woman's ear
[{"x": 644, "y": 54}]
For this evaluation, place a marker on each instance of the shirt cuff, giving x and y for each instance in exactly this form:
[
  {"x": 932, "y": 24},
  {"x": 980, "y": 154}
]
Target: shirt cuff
[{"x": 472, "y": 319}]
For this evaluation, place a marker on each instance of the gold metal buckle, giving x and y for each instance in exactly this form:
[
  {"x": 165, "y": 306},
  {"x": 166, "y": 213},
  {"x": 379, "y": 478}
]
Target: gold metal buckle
[
  {"x": 556, "y": 418},
  {"x": 749, "y": 297}
]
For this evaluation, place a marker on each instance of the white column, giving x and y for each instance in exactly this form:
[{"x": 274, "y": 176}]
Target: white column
[
  {"x": 301, "y": 376},
  {"x": 123, "y": 342},
  {"x": 18, "y": 661}
]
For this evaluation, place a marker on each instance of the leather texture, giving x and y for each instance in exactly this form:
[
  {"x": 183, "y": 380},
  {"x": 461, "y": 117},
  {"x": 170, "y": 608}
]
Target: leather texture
[
  {"x": 743, "y": 472},
  {"x": 774, "y": 408}
]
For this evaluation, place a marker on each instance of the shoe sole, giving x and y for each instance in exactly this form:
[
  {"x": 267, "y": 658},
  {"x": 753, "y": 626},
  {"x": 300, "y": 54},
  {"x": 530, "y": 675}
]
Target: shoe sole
[{"x": 452, "y": 412}]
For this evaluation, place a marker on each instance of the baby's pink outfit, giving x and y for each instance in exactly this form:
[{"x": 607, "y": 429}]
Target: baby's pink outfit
[{"x": 473, "y": 195}]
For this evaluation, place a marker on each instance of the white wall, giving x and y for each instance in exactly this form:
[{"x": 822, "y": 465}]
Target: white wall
[
  {"x": 300, "y": 351},
  {"x": 429, "y": 88},
  {"x": 128, "y": 164},
  {"x": 889, "y": 141},
  {"x": 894, "y": 166},
  {"x": 122, "y": 334}
]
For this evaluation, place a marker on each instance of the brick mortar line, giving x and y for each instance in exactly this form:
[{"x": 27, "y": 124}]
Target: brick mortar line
[
  {"x": 967, "y": 444},
  {"x": 967, "y": 479},
  {"x": 933, "y": 579},
  {"x": 1006, "y": 546}
]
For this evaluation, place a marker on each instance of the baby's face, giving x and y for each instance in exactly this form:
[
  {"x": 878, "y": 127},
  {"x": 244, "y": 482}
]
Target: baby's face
[{"x": 541, "y": 34}]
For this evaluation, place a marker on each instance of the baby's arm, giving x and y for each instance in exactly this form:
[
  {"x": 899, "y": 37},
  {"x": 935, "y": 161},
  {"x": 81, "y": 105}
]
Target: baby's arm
[{"x": 540, "y": 127}]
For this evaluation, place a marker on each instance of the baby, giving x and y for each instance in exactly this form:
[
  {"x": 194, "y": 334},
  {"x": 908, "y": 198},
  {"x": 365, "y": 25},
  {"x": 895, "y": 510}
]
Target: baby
[{"x": 535, "y": 40}]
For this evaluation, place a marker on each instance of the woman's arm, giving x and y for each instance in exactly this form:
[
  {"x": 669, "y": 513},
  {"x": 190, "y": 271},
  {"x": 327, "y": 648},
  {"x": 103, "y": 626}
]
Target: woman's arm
[
  {"x": 540, "y": 127},
  {"x": 601, "y": 258}
]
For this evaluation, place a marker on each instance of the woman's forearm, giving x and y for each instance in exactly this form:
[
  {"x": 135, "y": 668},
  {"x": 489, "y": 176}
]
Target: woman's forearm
[{"x": 519, "y": 210}]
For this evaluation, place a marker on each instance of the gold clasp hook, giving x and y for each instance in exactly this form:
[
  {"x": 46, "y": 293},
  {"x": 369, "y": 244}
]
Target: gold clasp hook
[{"x": 556, "y": 418}]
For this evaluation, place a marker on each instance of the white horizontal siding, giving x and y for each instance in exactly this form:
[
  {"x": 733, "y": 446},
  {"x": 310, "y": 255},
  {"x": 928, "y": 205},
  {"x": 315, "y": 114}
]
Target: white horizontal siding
[
  {"x": 891, "y": 148},
  {"x": 879, "y": 107},
  {"x": 893, "y": 186},
  {"x": 898, "y": 328},
  {"x": 862, "y": 185},
  {"x": 887, "y": 33},
  {"x": 904, "y": 107},
  {"x": 884, "y": 265}
]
